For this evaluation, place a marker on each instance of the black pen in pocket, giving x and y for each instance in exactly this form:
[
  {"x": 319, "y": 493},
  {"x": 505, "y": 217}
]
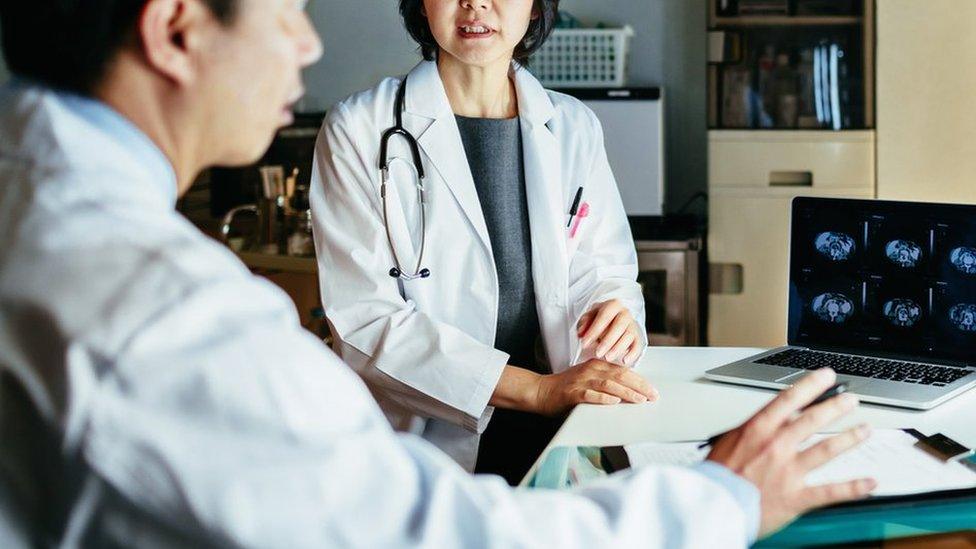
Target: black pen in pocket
[{"x": 575, "y": 207}]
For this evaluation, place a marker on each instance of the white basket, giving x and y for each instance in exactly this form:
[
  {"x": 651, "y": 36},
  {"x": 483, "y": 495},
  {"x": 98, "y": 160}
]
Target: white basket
[{"x": 583, "y": 58}]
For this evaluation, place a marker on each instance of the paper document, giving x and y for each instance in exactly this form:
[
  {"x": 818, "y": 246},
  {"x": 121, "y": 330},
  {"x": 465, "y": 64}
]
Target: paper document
[
  {"x": 665, "y": 453},
  {"x": 889, "y": 456}
]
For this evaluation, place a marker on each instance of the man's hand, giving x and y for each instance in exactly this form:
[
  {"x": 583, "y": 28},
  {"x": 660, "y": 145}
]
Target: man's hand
[
  {"x": 612, "y": 330},
  {"x": 593, "y": 382},
  {"x": 765, "y": 450}
]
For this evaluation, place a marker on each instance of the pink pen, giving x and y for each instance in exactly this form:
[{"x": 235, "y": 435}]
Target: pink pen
[{"x": 584, "y": 210}]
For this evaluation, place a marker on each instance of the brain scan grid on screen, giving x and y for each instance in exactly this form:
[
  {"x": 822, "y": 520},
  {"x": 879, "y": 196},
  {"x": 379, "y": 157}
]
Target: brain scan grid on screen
[{"x": 891, "y": 279}]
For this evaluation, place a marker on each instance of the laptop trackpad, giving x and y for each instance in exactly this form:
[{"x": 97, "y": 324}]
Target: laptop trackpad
[{"x": 851, "y": 381}]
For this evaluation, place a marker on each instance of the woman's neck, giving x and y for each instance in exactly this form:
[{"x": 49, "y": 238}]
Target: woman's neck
[{"x": 478, "y": 92}]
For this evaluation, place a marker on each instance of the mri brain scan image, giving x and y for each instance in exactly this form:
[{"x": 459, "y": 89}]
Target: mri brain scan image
[
  {"x": 963, "y": 317},
  {"x": 903, "y": 313},
  {"x": 903, "y": 253},
  {"x": 835, "y": 246},
  {"x": 833, "y": 308},
  {"x": 963, "y": 259}
]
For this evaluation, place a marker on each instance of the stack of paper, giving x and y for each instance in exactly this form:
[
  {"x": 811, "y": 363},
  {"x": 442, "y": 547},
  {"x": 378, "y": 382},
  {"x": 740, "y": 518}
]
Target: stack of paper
[{"x": 889, "y": 456}]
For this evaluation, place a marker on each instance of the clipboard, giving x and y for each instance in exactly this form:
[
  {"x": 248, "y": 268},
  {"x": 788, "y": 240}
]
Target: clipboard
[
  {"x": 615, "y": 458},
  {"x": 872, "y": 519}
]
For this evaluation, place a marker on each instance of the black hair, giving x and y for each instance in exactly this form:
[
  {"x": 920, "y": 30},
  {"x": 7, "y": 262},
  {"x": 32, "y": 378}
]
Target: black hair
[
  {"x": 539, "y": 28},
  {"x": 68, "y": 44}
]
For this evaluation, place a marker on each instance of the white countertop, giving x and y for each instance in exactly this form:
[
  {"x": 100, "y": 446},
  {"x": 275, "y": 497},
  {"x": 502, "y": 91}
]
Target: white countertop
[{"x": 692, "y": 408}]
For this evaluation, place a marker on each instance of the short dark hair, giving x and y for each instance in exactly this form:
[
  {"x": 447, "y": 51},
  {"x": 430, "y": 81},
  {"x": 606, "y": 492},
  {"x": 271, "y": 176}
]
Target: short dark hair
[
  {"x": 539, "y": 29},
  {"x": 68, "y": 44}
]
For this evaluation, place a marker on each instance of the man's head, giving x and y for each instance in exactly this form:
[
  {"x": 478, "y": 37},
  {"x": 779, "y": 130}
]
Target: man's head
[{"x": 209, "y": 80}]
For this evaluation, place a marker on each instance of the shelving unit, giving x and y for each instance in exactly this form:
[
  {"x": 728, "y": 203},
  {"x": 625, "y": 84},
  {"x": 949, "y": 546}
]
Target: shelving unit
[
  {"x": 784, "y": 21},
  {"x": 754, "y": 172},
  {"x": 857, "y": 31}
]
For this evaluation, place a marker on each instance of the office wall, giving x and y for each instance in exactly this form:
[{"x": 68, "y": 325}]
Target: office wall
[
  {"x": 364, "y": 41},
  {"x": 668, "y": 50},
  {"x": 4, "y": 75}
]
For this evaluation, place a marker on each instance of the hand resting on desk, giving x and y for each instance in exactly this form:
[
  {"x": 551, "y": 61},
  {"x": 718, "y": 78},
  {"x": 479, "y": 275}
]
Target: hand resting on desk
[
  {"x": 592, "y": 382},
  {"x": 765, "y": 450}
]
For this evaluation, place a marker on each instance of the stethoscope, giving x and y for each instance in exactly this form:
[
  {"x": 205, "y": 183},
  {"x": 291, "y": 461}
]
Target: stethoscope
[
  {"x": 397, "y": 271},
  {"x": 398, "y": 129}
]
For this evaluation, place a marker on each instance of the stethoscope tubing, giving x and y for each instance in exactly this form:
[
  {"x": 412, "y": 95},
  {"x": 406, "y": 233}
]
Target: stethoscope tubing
[{"x": 398, "y": 129}]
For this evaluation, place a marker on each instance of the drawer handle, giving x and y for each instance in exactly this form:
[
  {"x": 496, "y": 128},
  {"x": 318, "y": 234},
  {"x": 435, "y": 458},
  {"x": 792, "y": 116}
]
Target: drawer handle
[
  {"x": 791, "y": 179},
  {"x": 725, "y": 278}
]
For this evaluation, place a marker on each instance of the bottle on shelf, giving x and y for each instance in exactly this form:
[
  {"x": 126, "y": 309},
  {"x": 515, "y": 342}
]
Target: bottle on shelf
[
  {"x": 785, "y": 92},
  {"x": 764, "y": 87},
  {"x": 806, "y": 90}
]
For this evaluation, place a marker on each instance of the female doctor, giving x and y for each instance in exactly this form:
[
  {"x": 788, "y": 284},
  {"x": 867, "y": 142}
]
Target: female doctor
[{"x": 472, "y": 245}]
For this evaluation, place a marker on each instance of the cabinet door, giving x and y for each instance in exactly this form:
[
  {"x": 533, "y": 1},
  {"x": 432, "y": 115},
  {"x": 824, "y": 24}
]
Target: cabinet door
[
  {"x": 926, "y": 118},
  {"x": 748, "y": 243},
  {"x": 749, "y": 238}
]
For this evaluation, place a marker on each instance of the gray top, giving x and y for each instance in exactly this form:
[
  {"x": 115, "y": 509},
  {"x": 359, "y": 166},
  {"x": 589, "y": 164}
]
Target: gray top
[{"x": 494, "y": 151}]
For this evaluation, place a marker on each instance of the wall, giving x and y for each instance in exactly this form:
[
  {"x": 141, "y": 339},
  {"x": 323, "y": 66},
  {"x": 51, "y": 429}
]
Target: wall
[
  {"x": 364, "y": 41},
  {"x": 668, "y": 50},
  {"x": 3, "y": 71}
]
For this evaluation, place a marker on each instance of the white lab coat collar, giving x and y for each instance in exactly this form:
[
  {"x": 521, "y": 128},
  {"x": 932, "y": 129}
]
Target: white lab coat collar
[
  {"x": 426, "y": 96},
  {"x": 89, "y": 139}
]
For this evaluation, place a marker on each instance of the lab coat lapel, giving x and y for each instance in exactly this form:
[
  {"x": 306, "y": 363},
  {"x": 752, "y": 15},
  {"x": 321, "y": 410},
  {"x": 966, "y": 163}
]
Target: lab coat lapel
[
  {"x": 428, "y": 115},
  {"x": 544, "y": 192}
]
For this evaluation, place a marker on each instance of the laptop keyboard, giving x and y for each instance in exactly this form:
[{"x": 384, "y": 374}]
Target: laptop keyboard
[{"x": 877, "y": 368}]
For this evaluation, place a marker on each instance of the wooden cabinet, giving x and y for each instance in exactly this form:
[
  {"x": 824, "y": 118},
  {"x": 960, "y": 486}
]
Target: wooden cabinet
[
  {"x": 755, "y": 170},
  {"x": 923, "y": 148},
  {"x": 749, "y": 219}
]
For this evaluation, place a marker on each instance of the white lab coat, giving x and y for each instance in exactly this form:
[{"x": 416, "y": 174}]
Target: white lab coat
[
  {"x": 178, "y": 402},
  {"x": 425, "y": 347}
]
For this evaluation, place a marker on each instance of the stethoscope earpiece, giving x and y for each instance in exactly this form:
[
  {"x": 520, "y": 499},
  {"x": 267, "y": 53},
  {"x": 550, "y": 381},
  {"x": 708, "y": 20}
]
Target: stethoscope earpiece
[
  {"x": 424, "y": 273},
  {"x": 394, "y": 272}
]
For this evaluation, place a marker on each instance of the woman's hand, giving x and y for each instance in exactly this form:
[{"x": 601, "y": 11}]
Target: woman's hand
[
  {"x": 612, "y": 330},
  {"x": 593, "y": 382}
]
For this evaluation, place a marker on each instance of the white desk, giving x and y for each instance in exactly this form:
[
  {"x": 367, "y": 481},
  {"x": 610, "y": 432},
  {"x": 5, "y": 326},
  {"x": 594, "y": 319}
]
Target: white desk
[{"x": 692, "y": 408}]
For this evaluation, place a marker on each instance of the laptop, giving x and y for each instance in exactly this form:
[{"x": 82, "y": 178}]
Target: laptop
[{"x": 882, "y": 292}]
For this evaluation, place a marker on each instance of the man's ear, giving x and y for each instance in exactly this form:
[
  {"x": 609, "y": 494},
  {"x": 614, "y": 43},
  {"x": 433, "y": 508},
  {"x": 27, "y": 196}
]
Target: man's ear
[{"x": 167, "y": 31}]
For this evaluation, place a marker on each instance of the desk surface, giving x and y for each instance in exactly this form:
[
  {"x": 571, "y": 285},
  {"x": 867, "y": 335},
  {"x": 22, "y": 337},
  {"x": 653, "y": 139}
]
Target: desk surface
[{"x": 693, "y": 408}]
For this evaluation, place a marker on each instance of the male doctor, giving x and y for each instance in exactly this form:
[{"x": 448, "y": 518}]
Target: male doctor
[{"x": 154, "y": 393}]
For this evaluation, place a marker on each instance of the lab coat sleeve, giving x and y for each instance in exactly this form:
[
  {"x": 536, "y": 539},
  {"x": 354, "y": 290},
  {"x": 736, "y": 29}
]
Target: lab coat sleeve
[
  {"x": 222, "y": 418},
  {"x": 429, "y": 367},
  {"x": 604, "y": 265}
]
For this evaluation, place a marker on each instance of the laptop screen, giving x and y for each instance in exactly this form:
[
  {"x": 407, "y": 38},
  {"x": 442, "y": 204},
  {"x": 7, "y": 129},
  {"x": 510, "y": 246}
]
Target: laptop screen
[{"x": 884, "y": 278}]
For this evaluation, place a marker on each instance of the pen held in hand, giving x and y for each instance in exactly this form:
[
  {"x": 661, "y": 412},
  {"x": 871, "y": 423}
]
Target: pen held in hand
[{"x": 830, "y": 393}]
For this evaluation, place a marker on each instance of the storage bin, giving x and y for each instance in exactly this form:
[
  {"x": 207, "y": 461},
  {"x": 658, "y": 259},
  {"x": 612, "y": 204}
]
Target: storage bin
[{"x": 583, "y": 58}]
